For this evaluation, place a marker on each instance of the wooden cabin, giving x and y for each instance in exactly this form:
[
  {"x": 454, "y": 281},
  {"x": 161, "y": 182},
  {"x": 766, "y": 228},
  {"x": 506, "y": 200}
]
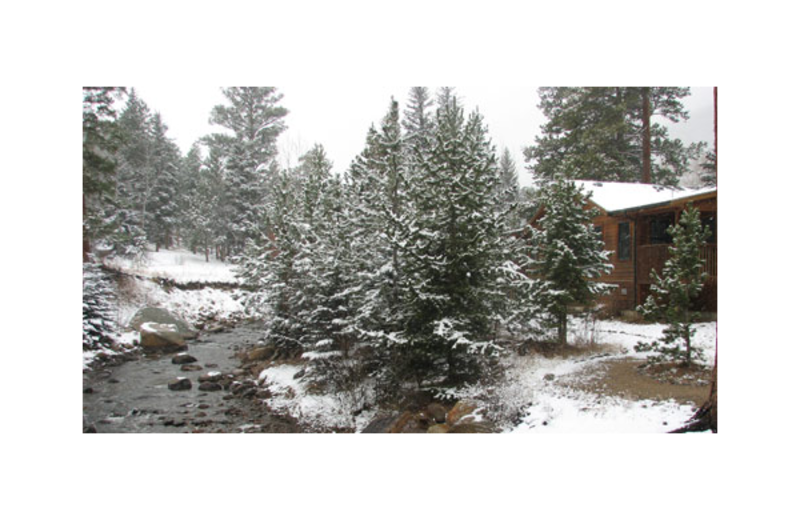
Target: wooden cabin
[{"x": 633, "y": 220}]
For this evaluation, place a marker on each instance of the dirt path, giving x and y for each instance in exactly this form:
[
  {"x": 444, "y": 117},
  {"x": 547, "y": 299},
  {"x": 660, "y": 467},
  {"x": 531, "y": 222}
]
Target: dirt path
[{"x": 621, "y": 377}]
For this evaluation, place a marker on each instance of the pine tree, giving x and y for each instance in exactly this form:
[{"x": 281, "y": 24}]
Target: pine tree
[
  {"x": 674, "y": 289},
  {"x": 163, "y": 204},
  {"x": 100, "y": 143},
  {"x": 99, "y": 323},
  {"x": 98, "y": 140},
  {"x": 256, "y": 120},
  {"x": 609, "y": 134},
  {"x": 417, "y": 120},
  {"x": 566, "y": 255},
  {"x": 136, "y": 177},
  {"x": 325, "y": 254},
  {"x": 201, "y": 194},
  {"x": 270, "y": 267},
  {"x": 378, "y": 189},
  {"x": 456, "y": 250},
  {"x": 509, "y": 186}
]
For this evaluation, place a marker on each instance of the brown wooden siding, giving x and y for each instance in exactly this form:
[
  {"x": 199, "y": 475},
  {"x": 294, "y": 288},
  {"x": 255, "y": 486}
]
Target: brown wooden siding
[{"x": 633, "y": 276}]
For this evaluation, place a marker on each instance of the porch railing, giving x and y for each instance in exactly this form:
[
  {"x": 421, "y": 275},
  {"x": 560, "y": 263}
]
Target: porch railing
[{"x": 653, "y": 256}]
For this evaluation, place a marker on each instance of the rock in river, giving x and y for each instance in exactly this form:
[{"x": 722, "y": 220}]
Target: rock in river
[
  {"x": 164, "y": 317},
  {"x": 180, "y": 383},
  {"x": 161, "y": 338}
]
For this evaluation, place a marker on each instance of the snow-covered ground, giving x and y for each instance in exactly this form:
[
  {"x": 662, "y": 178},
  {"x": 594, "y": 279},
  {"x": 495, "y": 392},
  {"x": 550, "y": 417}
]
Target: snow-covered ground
[
  {"x": 193, "y": 306},
  {"x": 543, "y": 405},
  {"x": 179, "y": 265},
  {"x": 554, "y": 408}
]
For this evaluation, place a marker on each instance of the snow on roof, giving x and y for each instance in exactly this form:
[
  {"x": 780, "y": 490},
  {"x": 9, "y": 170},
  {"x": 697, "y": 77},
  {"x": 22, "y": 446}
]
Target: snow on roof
[{"x": 616, "y": 196}]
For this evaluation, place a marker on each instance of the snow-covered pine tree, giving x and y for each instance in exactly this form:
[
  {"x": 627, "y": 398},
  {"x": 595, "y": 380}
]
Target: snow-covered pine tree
[
  {"x": 457, "y": 249},
  {"x": 509, "y": 186},
  {"x": 163, "y": 204},
  {"x": 99, "y": 323},
  {"x": 135, "y": 179},
  {"x": 673, "y": 291},
  {"x": 378, "y": 190},
  {"x": 269, "y": 265},
  {"x": 329, "y": 266},
  {"x": 98, "y": 139},
  {"x": 417, "y": 124},
  {"x": 304, "y": 269},
  {"x": 100, "y": 142},
  {"x": 256, "y": 120},
  {"x": 566, "y": 255},
  {"x": 202, "y": 193}
]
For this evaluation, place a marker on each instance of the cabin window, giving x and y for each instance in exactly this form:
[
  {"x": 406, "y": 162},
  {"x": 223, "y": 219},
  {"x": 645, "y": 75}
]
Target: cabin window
[
  {"x": 659, "y": 233},
  {"x": 624, "y": 243}
]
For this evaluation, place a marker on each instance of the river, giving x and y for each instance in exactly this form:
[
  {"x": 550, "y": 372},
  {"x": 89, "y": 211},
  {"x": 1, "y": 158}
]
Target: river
[{"x": 134, "y": 397}]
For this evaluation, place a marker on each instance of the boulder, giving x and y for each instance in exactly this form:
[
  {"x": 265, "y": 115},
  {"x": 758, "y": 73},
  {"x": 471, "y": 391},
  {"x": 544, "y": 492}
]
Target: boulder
[
  {"x": 461, "y": 409},
  {"x": 164, "y": 317},
  {"x": 209, "y": 387},
  {"x": 409, "y": 422},
  {"x": 211, "y": 377},
  {"x": 473, "y": 427},
  {"x": 161, "y": 338},
  {"x": 191, "y": 368},
  {"x": 183, "y": 359},
  {"x": 381, "y": 424},
  {"x": 180, "y": 383},
  {"x": 437, "y": 412},
  {"x": 439, "y": 428}
]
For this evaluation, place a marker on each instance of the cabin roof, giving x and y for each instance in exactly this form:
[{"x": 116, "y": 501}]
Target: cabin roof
[{"x": 619, "y": 196}]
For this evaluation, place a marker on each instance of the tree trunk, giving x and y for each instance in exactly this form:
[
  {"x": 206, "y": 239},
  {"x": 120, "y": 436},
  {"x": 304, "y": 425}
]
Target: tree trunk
[
  {"x": 646, "y": 177},
  {"x": 87, "y": 247},
  {"x": 562, "y": 329},
  {"x": 715, "y": 391},
  {"x": 714, "y": 399}
]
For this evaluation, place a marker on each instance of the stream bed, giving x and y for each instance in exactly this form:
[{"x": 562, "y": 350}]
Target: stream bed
[{"x": 134, "y": 397}]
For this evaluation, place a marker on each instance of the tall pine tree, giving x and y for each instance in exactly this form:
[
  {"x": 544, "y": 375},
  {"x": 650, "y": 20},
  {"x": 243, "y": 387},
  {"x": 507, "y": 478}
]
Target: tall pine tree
[
  {"x": 610, "y": 134},
  {"x": 256, "y": 120},
  {"x": 457, "y": 248}
]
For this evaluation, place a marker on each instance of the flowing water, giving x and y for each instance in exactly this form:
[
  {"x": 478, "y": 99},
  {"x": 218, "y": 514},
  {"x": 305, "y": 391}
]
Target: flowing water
[{"x": 134, "y": 397}]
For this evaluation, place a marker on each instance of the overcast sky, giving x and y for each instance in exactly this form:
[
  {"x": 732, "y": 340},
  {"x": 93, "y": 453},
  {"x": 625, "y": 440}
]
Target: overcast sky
[{"x": 339, "y": 115}]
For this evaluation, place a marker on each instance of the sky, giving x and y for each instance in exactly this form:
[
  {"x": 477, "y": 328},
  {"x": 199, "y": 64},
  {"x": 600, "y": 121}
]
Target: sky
[{"x": 338, "y": 116}]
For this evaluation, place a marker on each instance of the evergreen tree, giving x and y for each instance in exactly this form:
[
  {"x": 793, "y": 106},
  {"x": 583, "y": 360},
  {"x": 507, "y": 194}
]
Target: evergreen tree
[
  {"x": 189, "y": 180},
  {"x": 148, "y": 181},
  {"x": 98, "y": 139},
  {"x": 328, "y": 263},
  {"x": 509, "y": 185},
  {"x": 566, "y": 254},
  {"x": 379, "y": 193},
  {"x": 163, "y": 204},
  {"x": 608, "y": 133},
  {"x": 256, "y": 120},
  {"x": 270, "y": 265},
  {"x": 674, "y": 289},
  {"x": 456, "y": 250},
  {"x": 136, "y": 177},
  {"x": 100, "y": 142},
  {"x": 99, "y": 324},
  {"x": 417, "y": 120}
]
